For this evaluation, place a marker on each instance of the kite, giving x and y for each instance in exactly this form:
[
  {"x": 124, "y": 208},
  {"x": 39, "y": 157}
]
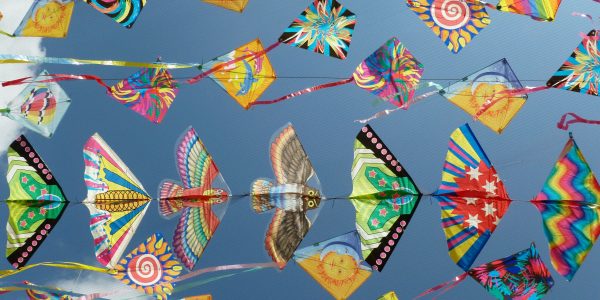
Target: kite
[
  {"x": 391, "y": 73},
  {"x": 295, "y": 195},
  {"x": 124, "y": 12},
  {"x": 388, "y": 296},
  {"x": 36, "y": 202},
  {"x": 201, "y": 197},
  {"x": 568, "y": 203},
  {"x": 39, "y": 107},
  {"x": 472, "y": 197},
  {"x": 540, "y": 10},
  {"x": 325, "y": 27},
  {"x": 116, "y": 199},
  {"x": 491, "y": 84},
  {"x": 149, "y": 92},
  {"x": 455, "y": 22},
  {"x": 384, "y": 197},
  {"x": 522, "y": 275},
  {"x": 580, "y": 72},
  {"x": 246, "y": 80},
  {"x": 235, "y": 5},
  {"x": 150, "y": 268},
  {"x": 46, "y": 18},
  {"x": 336, "y": 264}
]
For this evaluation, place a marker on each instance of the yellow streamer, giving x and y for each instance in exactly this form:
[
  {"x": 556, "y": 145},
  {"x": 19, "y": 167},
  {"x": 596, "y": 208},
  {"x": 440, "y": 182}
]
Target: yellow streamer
[{"x": 63, "y": 265}]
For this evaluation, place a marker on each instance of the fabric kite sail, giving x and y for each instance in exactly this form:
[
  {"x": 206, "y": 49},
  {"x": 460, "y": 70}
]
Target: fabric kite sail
[
  {"x": 150, "y": 268},
  {"x": 472, "y": 197},
  {"x": 581, "y": 71},
  {"x": 39, "y": 107},
  {"x": 325, "y": 27},
  {"x": 388, "y": 296},
  {"x": 540, "y": 10},
  {"x": 568, "y": 203},
  {"x": 491, "y": 84},
  {"x": 124, "y": 12},
  {"x": 384, "y": 197},
  {"x": 116, "y": 199},
  {"x": 246, "y": 80},
  {"x": 391, "y": 73},
  {"x": 235, "y": 5},
  {"x": 46, "y": 18},
  {"x": 455, "y": 22},
  {"x": 336, "y": 264},
  {"x": 149, "y": 92},
  {"x": 201, "y": 197},
  {"x": 35, "y": 205},
  {"x": 295, "y": 195},
  {"x": 522, "y": 275}
]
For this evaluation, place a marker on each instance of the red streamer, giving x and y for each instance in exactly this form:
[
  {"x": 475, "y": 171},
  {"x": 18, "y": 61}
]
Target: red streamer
[
  {"x": 302, "y": 92},
  {"x": 564, "y": 124},
  {"x": 231, "y": 62},
  {"x": 446, "y": 286},
  {"x": 504, "y": 95}
]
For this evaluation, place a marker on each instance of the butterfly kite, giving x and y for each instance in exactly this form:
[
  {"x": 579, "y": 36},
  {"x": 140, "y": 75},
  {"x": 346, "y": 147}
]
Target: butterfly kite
[
  {"x": 295, "y": 195},
  {"x": 201, "y": 197},
  {"x": 116, "y": 199},
  {"x": 384, "y": 196},
  {"x": 35, "y": 205},
  {"x": 472, "y": 197},
  {"x": 491, "y": 84},
  {"x": 336, "y": 264},
  {"x": 39, "y": 107},
  {"x": 569, "y": 203},
  {"x": 522, "y": 275}
]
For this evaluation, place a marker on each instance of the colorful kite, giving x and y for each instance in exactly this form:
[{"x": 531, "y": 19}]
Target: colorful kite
[
  {"x": 124, "y": 12},
  {"x": 472, "y": 197},
  {"x": 116, "y": 199},
  {"x": 384, "y": 197},
  {"x": 245, "y": 80},
  {"x": 150, "y": 268},
  {"x": 201, "y": 196},
  {"x": 455, "y": 22},
  {"x": 488, "y": 85},
  {"x": 336, "y": 264},
  {"x": 522, "y": 275},
  {"x": 35, "y": 204},
  {"x": 149, "y": 92},
  {"x": 235, "y": 5},
  {"x": 47, "y": 18},
  {"x": 580, "y": 72},
  {"x": 388, "y": 296},
  {"x": 39, "y": 107},
  {"x": 391, "y": 73},
  {"x": 295, "y": 195},
  {"x": 540, "y": 10},
  {"x": 569, "y": 207},
  {"x": 325, "y": 27}
]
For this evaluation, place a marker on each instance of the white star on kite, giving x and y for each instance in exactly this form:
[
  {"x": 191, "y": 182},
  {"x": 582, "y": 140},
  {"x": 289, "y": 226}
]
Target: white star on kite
[
  {"x": 474, "y": 173},
  {"x": 472, "y": 201},
  {"x": 489, "y": 209},
  {"x": 490, "y": 187},
  {"x": 473, "y": 220}
]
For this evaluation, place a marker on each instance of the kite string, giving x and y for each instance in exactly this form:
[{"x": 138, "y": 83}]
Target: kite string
[{"x": 302, "y": 92}]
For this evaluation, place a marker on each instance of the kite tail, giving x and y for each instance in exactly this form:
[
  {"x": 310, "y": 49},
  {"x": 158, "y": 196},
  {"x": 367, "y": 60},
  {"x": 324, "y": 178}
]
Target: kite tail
[
  {"x": 302, "y": 92},
  {"x": 564, "y": 123},
  {"x": 261, "y": 195},
  {"x": 62, "y": 265},
  {"x": 505, "y": 95},
  {"x": 57, "y": 78},
  {"x": 444, "y": 287}
]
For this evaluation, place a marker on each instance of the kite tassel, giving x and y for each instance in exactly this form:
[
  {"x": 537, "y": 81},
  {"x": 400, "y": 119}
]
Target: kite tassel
[
  {"x": 564, "y": 123},
  {"x": 302, "y": 92}
]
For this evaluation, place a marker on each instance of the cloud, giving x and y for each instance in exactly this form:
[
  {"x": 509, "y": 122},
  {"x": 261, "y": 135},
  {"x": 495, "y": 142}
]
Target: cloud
[
  {"x": 98, "y": 283},
  {"x": 13, "y": 12}
]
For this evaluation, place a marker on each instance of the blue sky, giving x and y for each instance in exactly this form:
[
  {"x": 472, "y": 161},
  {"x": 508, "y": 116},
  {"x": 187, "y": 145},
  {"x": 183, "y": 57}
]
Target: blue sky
[{"x": 191, "y": 31}]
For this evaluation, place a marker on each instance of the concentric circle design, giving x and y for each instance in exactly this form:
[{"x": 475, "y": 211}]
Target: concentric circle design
[
  {"x": 145, "y": 270},
  {"x": 450, "y": 14}
]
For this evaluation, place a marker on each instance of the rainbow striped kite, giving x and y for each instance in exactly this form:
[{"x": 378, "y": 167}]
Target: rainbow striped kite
[
  {"x": 568, "y": 204},
  {"x": 472, "y": 197},
  {"x": 540, "y": 10}
]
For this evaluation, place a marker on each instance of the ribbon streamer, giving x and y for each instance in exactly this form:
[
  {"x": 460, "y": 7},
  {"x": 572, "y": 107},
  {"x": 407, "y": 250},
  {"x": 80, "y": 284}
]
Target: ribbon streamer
[
  {"x": 446, "y": 286},
  {"x": 564, "y": 124},
  {"x": 57, "y": 78},
  {"x": 63, "y": 265},
  {"x": 302, "y": 92},
  {"x": 25, "y": 59},
  {"x": 404, "y": 107},
  {"x": 504, "y": 95},
  {"x": 226, "y": 268}
]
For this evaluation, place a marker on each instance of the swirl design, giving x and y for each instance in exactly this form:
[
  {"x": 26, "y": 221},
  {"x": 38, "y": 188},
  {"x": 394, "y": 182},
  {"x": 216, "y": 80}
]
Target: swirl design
[
  {"x": 450, "y": 14},
  {"x": 144, "y": 270},
  {"x": 124, "y": 12}
]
